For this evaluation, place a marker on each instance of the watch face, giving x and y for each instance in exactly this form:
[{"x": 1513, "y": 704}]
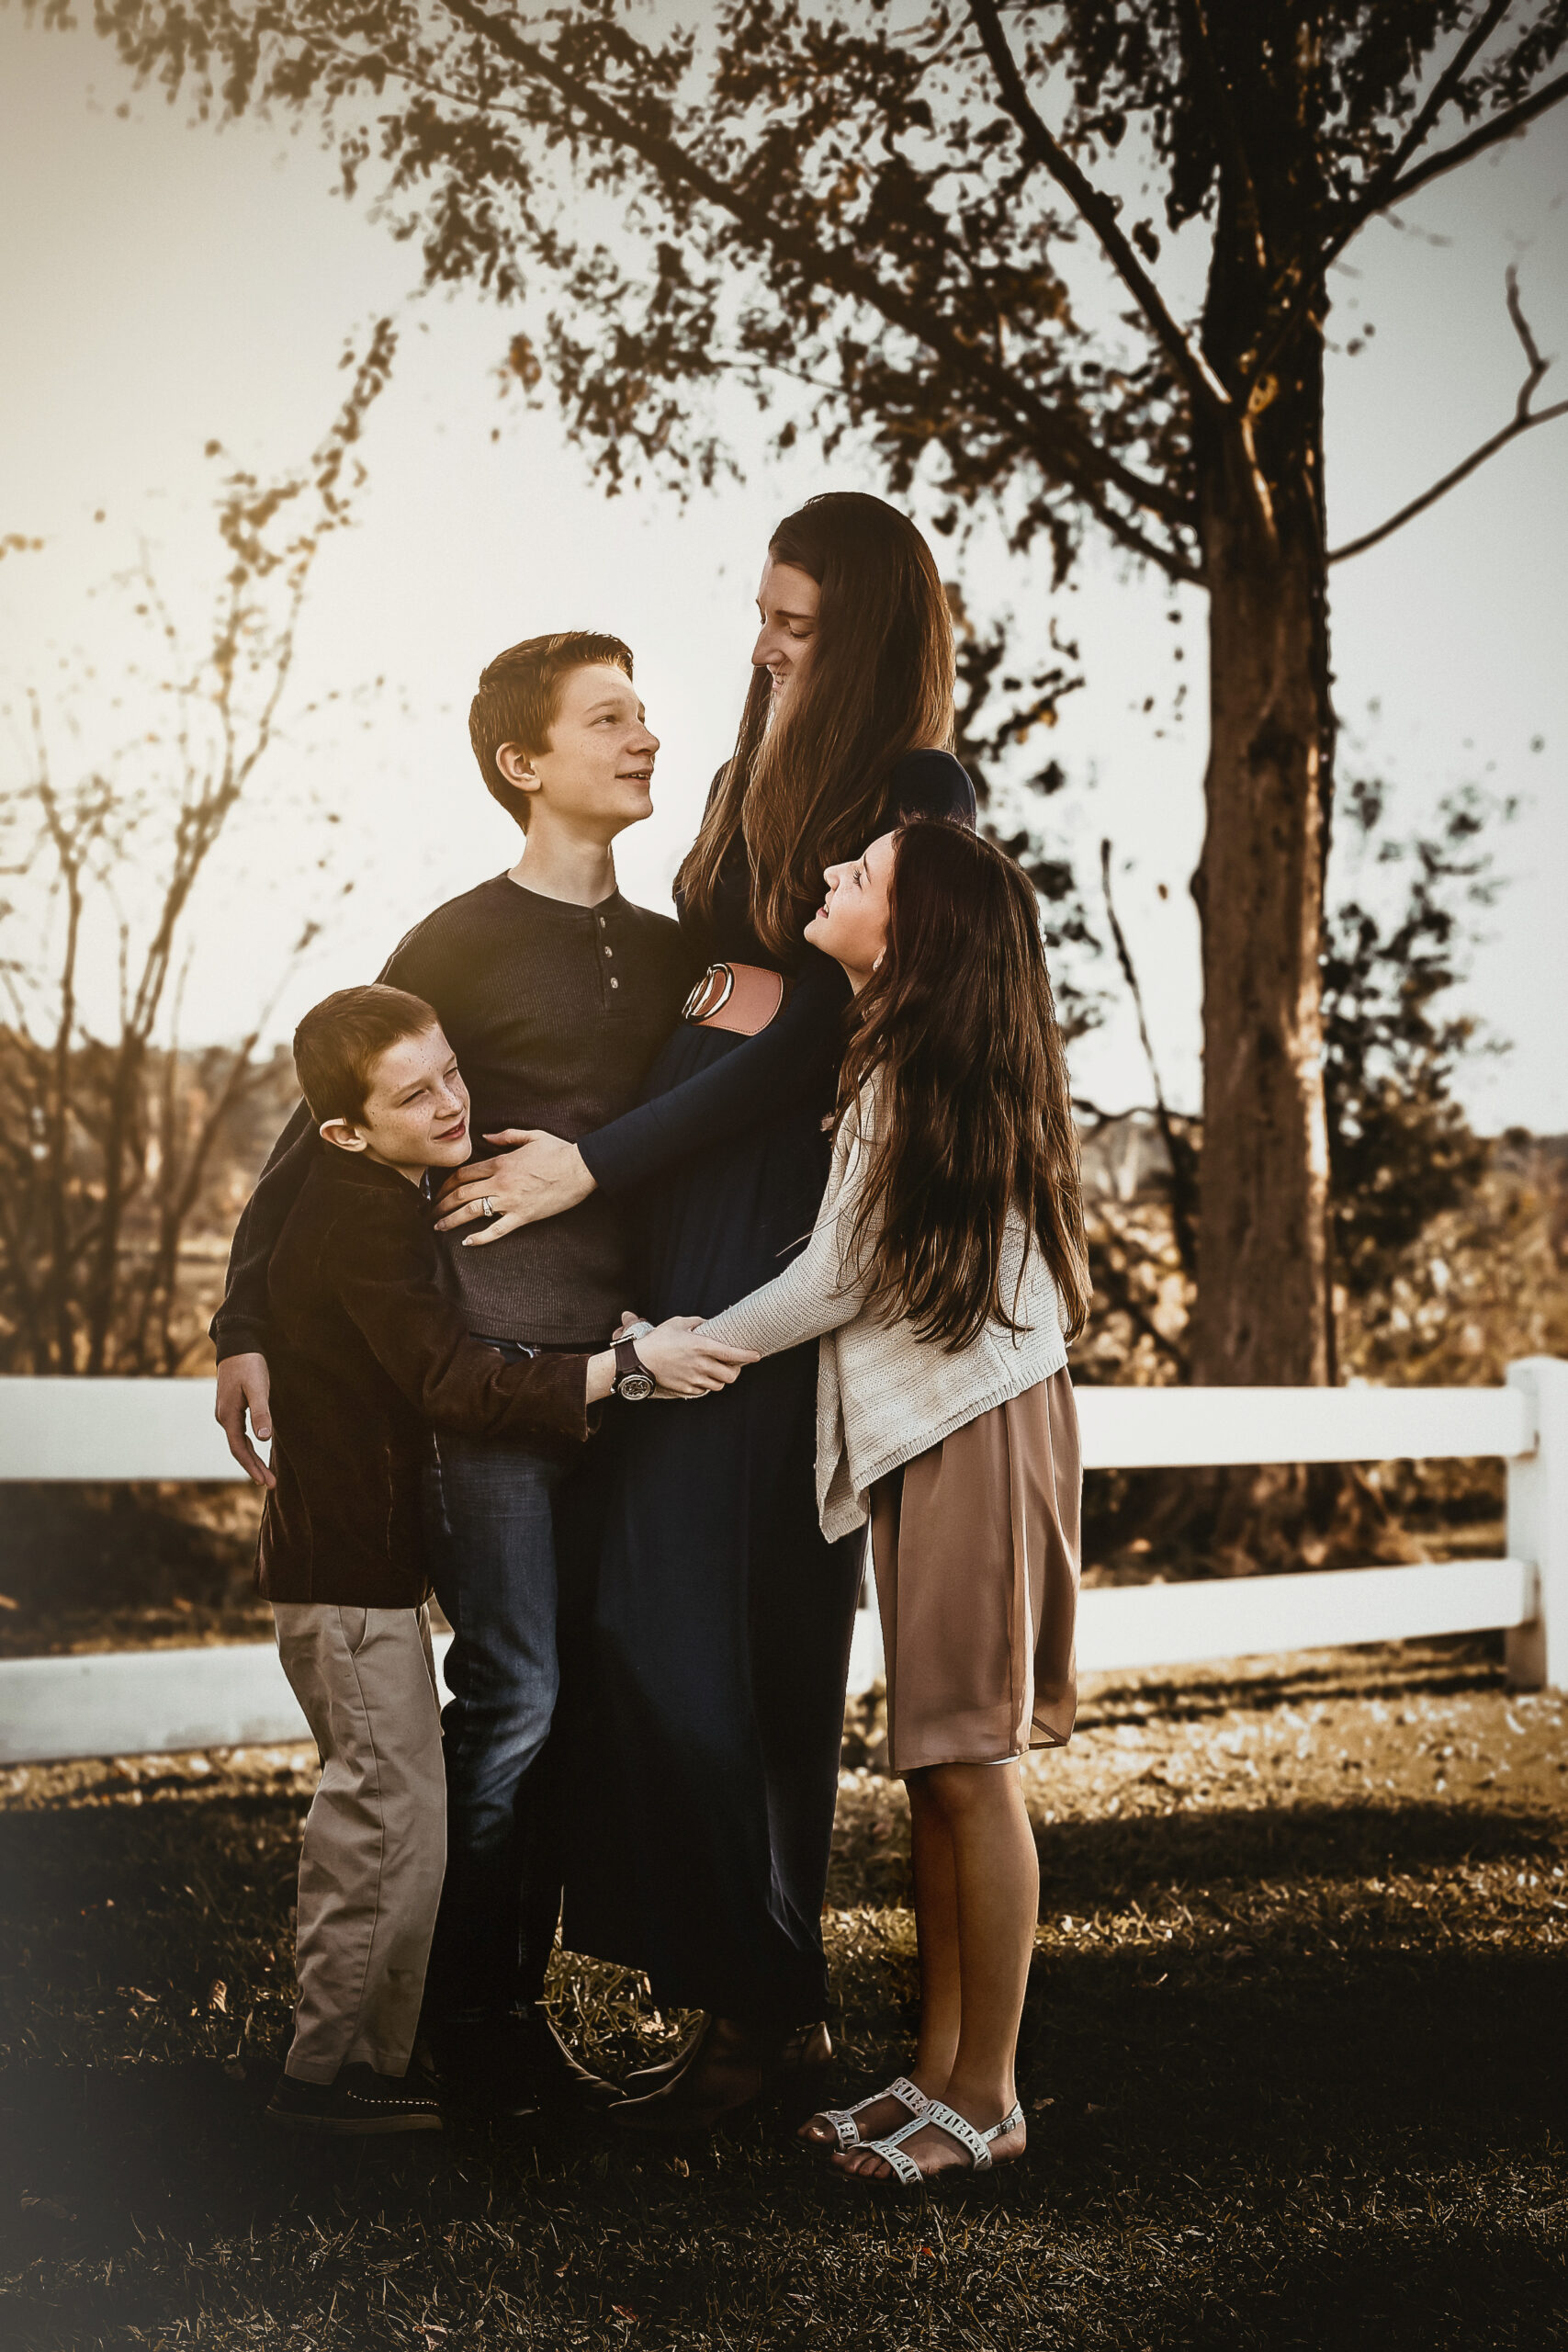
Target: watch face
[{"x": 636, "y": 1388}]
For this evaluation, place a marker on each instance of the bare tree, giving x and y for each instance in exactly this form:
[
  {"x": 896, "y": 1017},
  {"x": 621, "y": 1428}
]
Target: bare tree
[
  {"x": 108, "y": 1130},
  {"x": 884, "y": 216}
]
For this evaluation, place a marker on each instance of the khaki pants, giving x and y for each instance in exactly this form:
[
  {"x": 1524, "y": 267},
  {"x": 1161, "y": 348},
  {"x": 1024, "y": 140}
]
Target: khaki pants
[{"x": 375, "y": 1847}]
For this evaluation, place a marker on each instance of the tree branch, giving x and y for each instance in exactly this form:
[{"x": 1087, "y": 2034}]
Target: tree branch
[
  {"x": 1101, "y": 214},
  {"x": 1443, "y": 89},
  {"x": 1523, "y": 420},
  {"x": 1084, "y": 463},
  {"x": 1447, "y": 159},
  {"x": 1387, "y": 188}
]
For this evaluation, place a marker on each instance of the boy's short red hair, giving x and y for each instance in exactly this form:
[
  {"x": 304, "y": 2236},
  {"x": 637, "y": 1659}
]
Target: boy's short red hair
[
  {"x": 340, "y": 1041},
  {"x": 519, "y": 701}
]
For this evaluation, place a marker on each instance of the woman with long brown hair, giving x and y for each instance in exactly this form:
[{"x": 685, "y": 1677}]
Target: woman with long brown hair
[
  {"x": 945, "y": 1276},
  {"x": 704, "y": 1784}
]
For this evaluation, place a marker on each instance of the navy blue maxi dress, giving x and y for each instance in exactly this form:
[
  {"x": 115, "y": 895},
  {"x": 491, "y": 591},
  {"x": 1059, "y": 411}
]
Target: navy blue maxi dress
[{"x": 712, "y": 1676}]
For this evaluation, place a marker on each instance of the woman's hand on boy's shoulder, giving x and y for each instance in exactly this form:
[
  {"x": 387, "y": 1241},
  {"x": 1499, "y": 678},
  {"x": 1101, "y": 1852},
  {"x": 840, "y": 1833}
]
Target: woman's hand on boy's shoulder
[{"x": 538, "y": 1175}]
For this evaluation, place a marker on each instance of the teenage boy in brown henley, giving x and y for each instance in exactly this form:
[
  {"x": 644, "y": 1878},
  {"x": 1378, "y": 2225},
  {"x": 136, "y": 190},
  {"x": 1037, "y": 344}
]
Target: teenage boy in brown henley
[{"x": 556, "y": 993}]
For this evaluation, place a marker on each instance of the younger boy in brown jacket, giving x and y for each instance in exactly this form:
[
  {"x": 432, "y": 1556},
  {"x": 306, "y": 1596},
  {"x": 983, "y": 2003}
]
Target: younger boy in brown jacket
[{"x": 368, "y": 1355}]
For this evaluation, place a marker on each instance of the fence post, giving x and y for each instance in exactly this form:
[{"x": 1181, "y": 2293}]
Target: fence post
[{"x": 1538, "y": 1526}]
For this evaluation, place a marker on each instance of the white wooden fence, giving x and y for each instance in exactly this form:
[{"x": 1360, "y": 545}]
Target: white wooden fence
[{"x": 126, "y": 1702}]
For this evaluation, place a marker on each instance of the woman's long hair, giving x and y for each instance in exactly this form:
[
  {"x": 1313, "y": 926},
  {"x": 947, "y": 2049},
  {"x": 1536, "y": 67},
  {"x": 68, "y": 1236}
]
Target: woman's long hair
[
  {"x": 958, "y": 1030},
  {"x": 806, "y": 784}
]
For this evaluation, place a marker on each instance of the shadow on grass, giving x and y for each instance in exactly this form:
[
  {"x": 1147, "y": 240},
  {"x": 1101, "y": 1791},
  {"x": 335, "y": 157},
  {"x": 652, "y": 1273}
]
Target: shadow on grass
[
  {"x": 1250, "y": 2143},
  {"x": 1136, "y": 1853},
  {"x": 1288, "y": 2162},
  {"x": 186, "y": 1892},
  {"x": 1132, "y": 1857},
  {"x": 1460, "y": 1666}
]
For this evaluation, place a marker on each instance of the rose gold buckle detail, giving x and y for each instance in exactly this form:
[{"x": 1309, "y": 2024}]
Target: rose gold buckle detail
[{"x": 711, "y": 994}]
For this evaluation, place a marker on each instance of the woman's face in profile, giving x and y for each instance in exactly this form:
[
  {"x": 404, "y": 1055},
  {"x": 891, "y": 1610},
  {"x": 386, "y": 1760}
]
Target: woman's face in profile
[{"x": 787, "y": 600}]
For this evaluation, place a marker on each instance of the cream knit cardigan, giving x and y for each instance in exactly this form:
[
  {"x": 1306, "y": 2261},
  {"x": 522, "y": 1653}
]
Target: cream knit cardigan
[{"x": 883, "y": 1394}]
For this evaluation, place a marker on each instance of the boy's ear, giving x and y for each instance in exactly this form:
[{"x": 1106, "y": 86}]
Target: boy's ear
[
  {"x": 517, "y": 766},
  {"x": 344, "y": 1134}
]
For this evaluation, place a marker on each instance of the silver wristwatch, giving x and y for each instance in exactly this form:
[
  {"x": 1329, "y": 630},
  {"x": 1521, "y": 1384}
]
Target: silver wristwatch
[{"x": 633, "y": 1379}]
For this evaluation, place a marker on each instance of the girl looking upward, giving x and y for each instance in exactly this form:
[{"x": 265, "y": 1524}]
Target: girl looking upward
[{"x": 945, "y": 1276}]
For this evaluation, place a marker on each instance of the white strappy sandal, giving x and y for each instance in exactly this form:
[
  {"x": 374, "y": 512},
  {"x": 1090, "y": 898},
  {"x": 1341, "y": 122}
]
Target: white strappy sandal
[
  {"x": 956, "y": 2126},
  {"x": 847, "y": 2130}
]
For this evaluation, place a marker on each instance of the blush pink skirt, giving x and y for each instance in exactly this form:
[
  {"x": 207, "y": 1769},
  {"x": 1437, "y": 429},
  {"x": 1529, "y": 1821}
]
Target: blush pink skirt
[{"x": 977, "y": 1551}]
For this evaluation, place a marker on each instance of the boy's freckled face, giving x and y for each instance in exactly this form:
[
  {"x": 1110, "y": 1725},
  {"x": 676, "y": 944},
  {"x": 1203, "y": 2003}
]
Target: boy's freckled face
[{"x": 416, "y": 1109}]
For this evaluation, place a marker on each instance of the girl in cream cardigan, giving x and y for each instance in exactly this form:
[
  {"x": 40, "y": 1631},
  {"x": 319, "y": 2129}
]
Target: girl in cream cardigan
[{"x": 944, "y": 1275}]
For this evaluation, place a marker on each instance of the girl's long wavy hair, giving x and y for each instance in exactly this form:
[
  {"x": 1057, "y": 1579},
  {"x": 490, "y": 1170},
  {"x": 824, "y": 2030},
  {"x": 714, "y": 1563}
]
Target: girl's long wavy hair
[
  {"x": 957, "y": 1029},
  {"x": 806, "y": 786}
]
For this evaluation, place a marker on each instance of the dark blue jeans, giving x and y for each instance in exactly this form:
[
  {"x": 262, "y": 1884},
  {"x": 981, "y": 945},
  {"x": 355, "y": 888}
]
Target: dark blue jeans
[{"x": 491, "y": 1536}]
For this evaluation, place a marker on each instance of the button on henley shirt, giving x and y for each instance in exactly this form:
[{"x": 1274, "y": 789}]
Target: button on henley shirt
[{"x": 555, "y": 1013}]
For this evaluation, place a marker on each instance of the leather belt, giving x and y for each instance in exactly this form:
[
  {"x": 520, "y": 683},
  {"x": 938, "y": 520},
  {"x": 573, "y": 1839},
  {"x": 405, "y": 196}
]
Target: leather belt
[{"x": 742, "y": 998}]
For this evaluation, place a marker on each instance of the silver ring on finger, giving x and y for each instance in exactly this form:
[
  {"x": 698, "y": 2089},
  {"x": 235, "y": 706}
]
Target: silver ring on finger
[{"x": 487, "y": 1205}]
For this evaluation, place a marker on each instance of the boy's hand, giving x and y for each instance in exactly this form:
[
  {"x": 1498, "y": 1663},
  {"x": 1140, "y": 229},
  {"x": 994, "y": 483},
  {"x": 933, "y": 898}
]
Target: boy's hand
[
  {"x": 687, "y": 1367},
  {"x": 542, "y": 1175},
  {"x": 244, "y": 1383}
]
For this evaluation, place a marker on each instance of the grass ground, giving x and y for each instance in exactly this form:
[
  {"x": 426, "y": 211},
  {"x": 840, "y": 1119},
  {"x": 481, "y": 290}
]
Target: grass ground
[{"x": 1294, "y": 2067}]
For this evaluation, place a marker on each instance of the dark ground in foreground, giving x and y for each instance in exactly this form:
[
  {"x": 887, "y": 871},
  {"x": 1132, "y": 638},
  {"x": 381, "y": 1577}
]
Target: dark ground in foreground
[{"x": 1294, "y": 2067}]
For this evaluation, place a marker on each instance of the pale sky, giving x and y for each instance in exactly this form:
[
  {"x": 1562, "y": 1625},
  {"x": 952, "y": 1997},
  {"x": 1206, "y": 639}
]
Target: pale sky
[{"x": 162, "y": 284}]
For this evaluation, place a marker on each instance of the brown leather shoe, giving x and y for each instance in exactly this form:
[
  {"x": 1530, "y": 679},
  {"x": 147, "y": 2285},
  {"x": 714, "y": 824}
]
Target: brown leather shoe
[
  {"x": 808, "y": 2047},
  {"x": 729, "y": 2066}
]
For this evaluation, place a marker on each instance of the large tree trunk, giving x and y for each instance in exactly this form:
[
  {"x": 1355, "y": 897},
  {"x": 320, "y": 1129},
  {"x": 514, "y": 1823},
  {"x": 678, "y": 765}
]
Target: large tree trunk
[
  {"x": 1262, "y": 1311},
  {"x": 1261, "y": 1316}
]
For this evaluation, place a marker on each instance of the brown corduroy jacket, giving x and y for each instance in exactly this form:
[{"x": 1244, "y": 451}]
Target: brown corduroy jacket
[{"x": 367, "y": 1355}]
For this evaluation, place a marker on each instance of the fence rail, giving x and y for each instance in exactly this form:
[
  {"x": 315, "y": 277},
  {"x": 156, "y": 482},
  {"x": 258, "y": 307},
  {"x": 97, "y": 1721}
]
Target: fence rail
[
  {"x": 153, "y": 1430},
  {"x": 132, "y": 1701}
]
